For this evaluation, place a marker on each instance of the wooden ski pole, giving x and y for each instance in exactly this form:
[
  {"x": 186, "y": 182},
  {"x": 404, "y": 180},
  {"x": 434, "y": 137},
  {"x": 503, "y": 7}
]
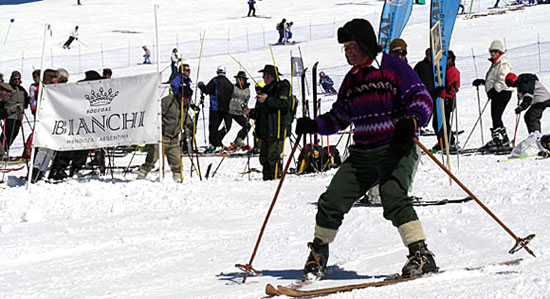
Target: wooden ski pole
[
  {"x": 520, "y": 242},
  {"x": 248, "y": 267}
]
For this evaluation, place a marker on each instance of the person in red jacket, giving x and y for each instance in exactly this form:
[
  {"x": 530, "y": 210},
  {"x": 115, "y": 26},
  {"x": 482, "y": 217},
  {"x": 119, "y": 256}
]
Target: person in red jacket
[{"x": 448, "y": 95}]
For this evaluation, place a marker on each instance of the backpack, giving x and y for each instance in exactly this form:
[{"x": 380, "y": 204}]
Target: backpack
[{"x": 315, "y": 158}]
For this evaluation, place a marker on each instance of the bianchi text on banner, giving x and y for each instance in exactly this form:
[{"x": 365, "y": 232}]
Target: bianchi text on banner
[{"x": 101, "y": 113}]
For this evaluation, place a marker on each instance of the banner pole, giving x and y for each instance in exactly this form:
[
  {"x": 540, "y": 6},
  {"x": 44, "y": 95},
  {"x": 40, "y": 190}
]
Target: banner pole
[{"x": 40, "y": 95}]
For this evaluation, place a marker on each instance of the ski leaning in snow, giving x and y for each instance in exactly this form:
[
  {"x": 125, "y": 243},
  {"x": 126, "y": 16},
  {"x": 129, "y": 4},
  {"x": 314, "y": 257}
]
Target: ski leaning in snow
[
  {"x": 393, "y": 279},
  {"x": 419, "y": 202}
]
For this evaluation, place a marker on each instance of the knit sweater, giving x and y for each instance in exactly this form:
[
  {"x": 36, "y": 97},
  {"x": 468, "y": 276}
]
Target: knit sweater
[{"x": 374, "y": 99}]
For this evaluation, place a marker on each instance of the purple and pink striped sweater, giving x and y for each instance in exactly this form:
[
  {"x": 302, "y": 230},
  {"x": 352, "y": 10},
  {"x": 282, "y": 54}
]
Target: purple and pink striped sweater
[{"x": 374, "y": 99}]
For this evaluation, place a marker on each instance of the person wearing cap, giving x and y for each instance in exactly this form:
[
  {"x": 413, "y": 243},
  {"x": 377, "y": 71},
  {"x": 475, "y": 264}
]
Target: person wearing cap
[
  {"x": 271, "y": 114},
  {"x": 72, "y": 37},
  {"x": 448, "y": 94},
  {"x": 146, "y": 55},
  {"x": 220, "y": 90},
  {"x": 386, "y": 102},
  {"x": 533, "y": 96},
  {"x": 326, "y": 83},
  {"x": 398, "y": 48},
  {"x": 239, "y": 101},
  {"x": 14, "y": 105},
  {"x": 499, "y": 94},
  {"x": 171, "y": 129}
]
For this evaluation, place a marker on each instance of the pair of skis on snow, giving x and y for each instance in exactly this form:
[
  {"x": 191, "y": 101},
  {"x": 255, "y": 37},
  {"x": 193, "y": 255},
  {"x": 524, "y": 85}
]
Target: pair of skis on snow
[{"x": 294, "y": 289}]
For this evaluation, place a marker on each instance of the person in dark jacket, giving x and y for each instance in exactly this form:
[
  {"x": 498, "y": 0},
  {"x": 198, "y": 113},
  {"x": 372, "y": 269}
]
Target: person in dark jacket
[
  {"x": 533, "y": 97},
  {"x": 425, "y": 71},
  {"x": 14, "y": 105},
  {"x": 281, "y": 29},
  {"x": 251, "y": 9},
  {"x": 220, "y": 90},
  {"x": 5, "y": 92},
  {"x": 386, "y": 102},
  {"x": 271, "y": 113}
]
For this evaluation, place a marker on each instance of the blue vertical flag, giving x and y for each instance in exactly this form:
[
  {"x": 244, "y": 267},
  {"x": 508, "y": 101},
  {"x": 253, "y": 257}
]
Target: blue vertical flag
[
  {"x": 444, "y": 11},
  {"x": 393, "y": 19}
]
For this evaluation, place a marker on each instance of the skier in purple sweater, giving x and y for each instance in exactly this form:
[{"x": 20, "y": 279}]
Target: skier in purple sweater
[{"x": 386, "y": 102}]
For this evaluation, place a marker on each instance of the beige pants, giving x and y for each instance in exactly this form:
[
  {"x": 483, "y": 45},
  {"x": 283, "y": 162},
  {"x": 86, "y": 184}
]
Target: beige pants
[{"x": 173, "y": 155}]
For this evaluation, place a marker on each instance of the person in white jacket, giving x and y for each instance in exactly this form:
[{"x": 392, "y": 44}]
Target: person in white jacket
[
  {"x": 499, "y": 94},
  {"x": 72, "y": 37}
]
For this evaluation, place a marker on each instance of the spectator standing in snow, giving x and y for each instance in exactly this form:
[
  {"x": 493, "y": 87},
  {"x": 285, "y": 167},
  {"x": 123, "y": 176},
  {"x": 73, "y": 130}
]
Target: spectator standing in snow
[
  {"x": 398, "y": 48},
  {"x": 220, "y": 90},
  {"x": 533, "y": 97},
  {"x": 72, "y": 37},
  {"x": 499, "y": 94},
  {"x": 78, "y": 2},
  {"x": 448, "y": 95},
  {"x": 33, "y": 91},
  {"x": 239, "y": 102},
  {"x": 271, "y": 113},
  {"x": 15, "y": 105},
  {"x": 387, "y": 103},
  {"x": 287, "y": 32},
  {"x": 251, "y": 8},
  {"x": 171, "y": 122},
  {"x": 174, "y": 60},
  {"x": 326, "y": 83},
  {"x": 147, "y": 55},
  {"x": 281, "y": 29},
  {"x": 1, "y": 78},
  {"x": 425, "y": 71},
  {"x": 5, "y": 93}
]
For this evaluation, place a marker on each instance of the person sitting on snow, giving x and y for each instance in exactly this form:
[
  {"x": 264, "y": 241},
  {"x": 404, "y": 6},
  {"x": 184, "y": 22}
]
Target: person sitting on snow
[
  {"x": 533, "y": 97},
  {"x": 326, "y": 82}
]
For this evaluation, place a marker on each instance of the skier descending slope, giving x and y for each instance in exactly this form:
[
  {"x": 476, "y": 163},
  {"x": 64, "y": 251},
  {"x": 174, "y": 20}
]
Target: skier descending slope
[{"x": 386, "y": 102}]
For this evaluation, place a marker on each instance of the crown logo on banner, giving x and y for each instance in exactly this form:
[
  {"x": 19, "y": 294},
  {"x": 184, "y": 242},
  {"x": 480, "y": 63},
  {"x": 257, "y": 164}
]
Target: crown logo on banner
[{"x": 102, "y": 97}]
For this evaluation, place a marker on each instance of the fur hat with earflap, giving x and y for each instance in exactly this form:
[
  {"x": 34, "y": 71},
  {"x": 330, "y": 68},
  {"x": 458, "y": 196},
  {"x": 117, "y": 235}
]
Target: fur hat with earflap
[{"x": 361, "y": 31}]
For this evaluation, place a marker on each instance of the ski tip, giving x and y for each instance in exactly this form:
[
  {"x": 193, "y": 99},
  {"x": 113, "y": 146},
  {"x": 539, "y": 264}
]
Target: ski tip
[{"x": 271, "y": 290}]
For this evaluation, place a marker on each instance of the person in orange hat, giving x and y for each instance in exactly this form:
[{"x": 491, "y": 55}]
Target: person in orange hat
[{"x": 533, "y": 97}]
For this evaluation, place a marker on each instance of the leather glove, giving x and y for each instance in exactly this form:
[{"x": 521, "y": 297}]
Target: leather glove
[
  {"x": 478, "y": 82},
  {"x": 306, "y": 125},
  {"x": 518, "y": 109},
  {"x": 201, "y": 86},
  {"x": 404, "y": 129}
]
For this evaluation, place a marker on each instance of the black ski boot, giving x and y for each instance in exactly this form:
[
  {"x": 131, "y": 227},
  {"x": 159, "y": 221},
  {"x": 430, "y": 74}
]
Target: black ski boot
[
  {"x": 421, "y": 260},
  {"x": 493, "y": 143},
  {"x": 316, "y": 261},
  {"x": 502, "y": 146}
]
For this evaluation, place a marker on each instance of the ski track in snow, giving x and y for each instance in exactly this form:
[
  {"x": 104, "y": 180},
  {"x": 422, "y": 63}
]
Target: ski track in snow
[{"x": 124, "y": 238}]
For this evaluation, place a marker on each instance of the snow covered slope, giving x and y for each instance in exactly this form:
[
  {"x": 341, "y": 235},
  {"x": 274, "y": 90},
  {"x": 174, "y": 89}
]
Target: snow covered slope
[{"x": 122, "y": 238}]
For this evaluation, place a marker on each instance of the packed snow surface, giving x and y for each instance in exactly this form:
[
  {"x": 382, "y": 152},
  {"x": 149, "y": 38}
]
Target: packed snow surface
[{"x": 117, "y": 237}]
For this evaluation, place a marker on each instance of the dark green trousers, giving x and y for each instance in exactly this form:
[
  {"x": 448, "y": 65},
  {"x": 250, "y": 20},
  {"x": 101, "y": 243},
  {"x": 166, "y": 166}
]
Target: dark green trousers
[
  {"x": 270, "y": 156},
  {"x": 391, "y": 166}
]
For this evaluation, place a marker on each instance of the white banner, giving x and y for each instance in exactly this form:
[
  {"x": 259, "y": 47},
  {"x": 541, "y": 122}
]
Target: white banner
[{"x": 101, "y": 113}]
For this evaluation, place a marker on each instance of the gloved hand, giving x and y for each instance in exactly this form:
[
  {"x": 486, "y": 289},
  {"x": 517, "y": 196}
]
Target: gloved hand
[
  {"x": 201, "y": 85},
  {"x": 544, "y": 154},
  {"x": 404, "y": 129},
  {"x": 518, "y": 109},
  {"x": 306, "y": 125},
  {"x": 478, "y": 82},
  {"x": 439, "y": 90}
]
